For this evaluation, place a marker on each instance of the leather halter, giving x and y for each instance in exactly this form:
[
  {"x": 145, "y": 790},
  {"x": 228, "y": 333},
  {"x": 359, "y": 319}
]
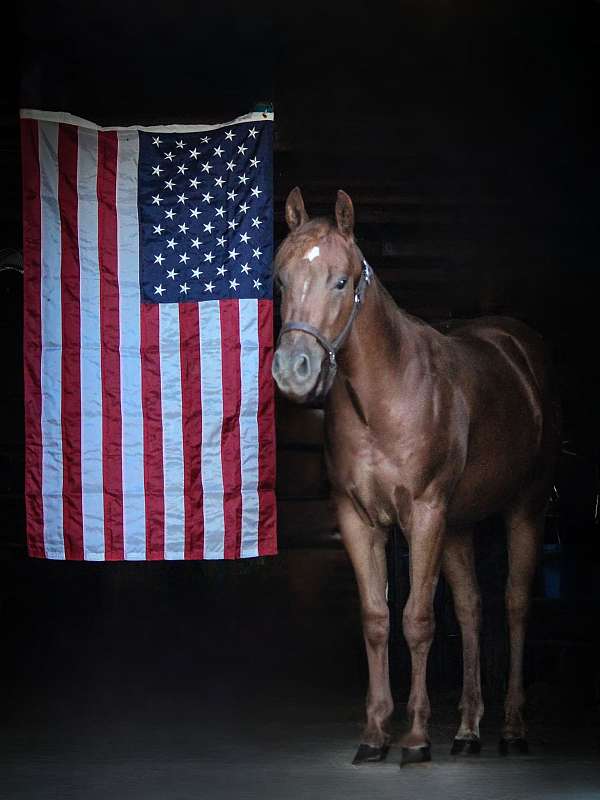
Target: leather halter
[{"x": 333, "y": 347}]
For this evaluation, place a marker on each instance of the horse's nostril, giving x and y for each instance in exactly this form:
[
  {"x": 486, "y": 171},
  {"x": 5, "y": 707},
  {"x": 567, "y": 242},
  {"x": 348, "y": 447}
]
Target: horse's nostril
[
  {"x": 302, "y": 367},
  {"x": 276, "y": 366}
]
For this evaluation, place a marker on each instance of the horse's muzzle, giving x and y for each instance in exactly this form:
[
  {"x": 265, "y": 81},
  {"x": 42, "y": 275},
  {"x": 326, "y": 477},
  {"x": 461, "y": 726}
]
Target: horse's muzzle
[{"x": 297, "y": 368}]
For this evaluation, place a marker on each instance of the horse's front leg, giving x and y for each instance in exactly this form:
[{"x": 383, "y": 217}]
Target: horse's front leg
[
  {"x": 366, "y": 547},
  {"x": 425, "y": 536}
]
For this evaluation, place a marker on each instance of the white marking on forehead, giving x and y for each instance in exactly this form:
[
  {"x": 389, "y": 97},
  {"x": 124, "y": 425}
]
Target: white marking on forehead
[
  {"x": 312, "y": 254},
  {"x": 304, "y": 291}
]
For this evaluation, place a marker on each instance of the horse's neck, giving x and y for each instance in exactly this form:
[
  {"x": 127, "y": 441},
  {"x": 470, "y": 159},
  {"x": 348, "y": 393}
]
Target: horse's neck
[{"x": 383, "y": 341}]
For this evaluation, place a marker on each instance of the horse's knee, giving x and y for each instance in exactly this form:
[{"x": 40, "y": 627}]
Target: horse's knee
[
  {"x": 468, "y": 611},
  {"x": 376, "y": 625},
  {"x": 517, "y": 606},
  {"x": 418, "y": 626}
]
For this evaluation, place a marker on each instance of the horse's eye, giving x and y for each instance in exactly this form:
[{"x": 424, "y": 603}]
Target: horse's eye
[{"x": 341, "y": 283}]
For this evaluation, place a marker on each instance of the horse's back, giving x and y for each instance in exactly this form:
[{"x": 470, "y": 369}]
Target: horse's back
[{"x": 514, "y": 340}]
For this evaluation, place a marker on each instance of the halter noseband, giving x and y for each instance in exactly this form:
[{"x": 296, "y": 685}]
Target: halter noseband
[{"x": 332, "y": 348}]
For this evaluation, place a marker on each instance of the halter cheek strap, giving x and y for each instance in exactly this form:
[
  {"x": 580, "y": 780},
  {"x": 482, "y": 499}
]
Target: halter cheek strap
[{"x": 332, "y": 347}]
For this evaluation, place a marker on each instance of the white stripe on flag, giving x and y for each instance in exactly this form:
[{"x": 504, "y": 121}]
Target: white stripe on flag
[
  {"x": 51, "y": 366},
  {"x": 92, "y": 485},
  {"x": 170, "y": 387},
  {"x": 134, "y": 507},
  {"x": 212, "y": 421},
  {"x": 249, "y": 359}
]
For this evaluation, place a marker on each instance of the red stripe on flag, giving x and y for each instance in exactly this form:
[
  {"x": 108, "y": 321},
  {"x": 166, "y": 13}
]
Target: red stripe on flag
[
  {"x": 110, "y": 361},
  {"x": 71, "y": 345},
  {"x": 230, "y": 431},
  {"x": 154, "y": 486},
  {"x": 32, "y": 335},
  {"x": 267, "y": 543},
  {"x": 191, "y": 417}
]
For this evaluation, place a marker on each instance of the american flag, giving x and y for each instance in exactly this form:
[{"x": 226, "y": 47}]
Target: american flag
[{"x": 148, "y": 339}]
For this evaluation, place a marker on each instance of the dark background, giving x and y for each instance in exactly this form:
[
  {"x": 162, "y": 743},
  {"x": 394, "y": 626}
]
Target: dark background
[{"x": 465, "y": 133}]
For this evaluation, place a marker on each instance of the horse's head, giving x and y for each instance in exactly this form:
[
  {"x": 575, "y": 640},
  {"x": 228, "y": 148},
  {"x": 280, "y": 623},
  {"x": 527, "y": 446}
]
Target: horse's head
[{"x": 321, "y": 275}]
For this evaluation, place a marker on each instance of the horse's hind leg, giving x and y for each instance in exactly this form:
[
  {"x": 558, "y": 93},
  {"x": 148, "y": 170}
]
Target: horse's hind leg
[
  {"x": 458, "y": 566},
  {"x": 366, "y": 547},
  {"x": 524, "y": 534}
]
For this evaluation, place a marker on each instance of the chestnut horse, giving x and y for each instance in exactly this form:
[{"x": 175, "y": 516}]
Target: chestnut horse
[{"x": 429, "y": 431}]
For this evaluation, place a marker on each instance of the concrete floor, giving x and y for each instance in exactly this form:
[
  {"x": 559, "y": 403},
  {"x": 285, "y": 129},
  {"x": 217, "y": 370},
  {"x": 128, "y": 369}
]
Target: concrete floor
[{"x": 176, "y": 682}]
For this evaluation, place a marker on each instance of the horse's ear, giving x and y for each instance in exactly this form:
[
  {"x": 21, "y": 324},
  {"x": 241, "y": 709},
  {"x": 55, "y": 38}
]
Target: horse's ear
[
  {"x": 344, "y": 214},
  {"x": 295, "y": 213}
]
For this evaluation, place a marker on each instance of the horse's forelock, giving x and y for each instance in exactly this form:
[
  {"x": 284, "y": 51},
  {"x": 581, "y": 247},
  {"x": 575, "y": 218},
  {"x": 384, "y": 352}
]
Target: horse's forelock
[{"x": 301, "y": 240}]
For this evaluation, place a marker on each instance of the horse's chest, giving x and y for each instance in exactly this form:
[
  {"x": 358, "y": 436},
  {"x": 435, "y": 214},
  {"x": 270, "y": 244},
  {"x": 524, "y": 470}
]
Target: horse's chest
[{"x": 370, "y": 475}]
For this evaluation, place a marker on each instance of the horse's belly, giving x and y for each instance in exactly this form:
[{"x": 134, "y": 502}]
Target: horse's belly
[{"x": 491, "y": 479}]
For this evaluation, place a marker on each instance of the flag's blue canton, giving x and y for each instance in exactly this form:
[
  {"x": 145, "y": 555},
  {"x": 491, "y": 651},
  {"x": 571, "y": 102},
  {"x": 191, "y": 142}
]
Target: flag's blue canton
[{"x": 206, "y": 214}]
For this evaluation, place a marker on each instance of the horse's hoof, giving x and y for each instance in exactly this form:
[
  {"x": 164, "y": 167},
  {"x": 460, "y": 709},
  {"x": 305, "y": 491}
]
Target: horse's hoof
[
  {"x": 415, "y": 755},
  {"x": 470, "y": 747},
  {"x": 517, "y": 746},
  {"x": 370, "y": 755}
]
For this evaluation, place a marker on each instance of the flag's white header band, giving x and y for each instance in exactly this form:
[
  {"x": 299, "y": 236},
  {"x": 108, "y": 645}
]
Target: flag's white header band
[{"x": 70, "y": 119}]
